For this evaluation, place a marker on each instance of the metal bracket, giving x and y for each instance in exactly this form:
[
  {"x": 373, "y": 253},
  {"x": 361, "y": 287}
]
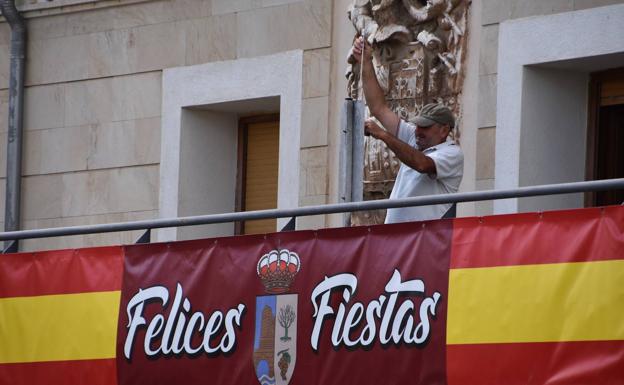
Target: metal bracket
[
  {"x": 11, "y": 247},
  {"x": 291, "y": 225},
  {"x": 146, "y": 237}
]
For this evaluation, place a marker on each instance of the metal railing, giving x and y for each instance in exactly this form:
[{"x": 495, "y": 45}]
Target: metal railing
[{"x": 553, "y": 189}]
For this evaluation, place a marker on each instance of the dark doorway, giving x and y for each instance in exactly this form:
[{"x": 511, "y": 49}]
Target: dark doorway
[{"x": 605, "y": 152}]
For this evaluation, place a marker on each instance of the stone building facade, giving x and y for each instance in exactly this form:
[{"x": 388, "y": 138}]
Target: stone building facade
[{"x": 117, "y": 93}]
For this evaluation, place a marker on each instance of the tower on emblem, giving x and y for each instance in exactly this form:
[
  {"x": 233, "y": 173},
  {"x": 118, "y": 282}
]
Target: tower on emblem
[{"x": 275, "y": 342}]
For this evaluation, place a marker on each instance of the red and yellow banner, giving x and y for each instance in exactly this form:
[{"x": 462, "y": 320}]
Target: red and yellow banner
[
  {"x": 512, "y": 299},
  {"x": 537, "y": 299},
  {"x": 58, "y": 316}
]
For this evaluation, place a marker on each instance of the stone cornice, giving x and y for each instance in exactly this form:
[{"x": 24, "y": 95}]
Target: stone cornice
[{"x": 28, "y": 9}]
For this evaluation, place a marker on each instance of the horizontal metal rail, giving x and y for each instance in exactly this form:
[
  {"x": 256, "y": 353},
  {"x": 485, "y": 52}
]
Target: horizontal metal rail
[{"x": 553, "y": 189}]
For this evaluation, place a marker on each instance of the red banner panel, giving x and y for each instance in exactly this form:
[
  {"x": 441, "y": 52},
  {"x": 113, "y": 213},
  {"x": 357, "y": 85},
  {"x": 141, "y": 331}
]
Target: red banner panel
[
  {"x": 526, "y": 299},
  {"x": 356, "y": 305}
]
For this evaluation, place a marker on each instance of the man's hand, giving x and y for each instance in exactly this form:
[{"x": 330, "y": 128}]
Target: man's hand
[
  {"x": 359, "y": 45},
  {"x": 372, "y": 128}
]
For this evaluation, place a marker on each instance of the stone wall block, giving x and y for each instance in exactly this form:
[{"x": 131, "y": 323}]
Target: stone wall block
[
  {"x": 314, "y": 157},
  {"x": 125, "y": 143},
  {"x": 220, "y": 7},
  {"x": 88, "y": 102},
  {"x": 4, "y": 112},
  {"x": 2, "y": 200},
  {"x": 488, "y": 57},
  {"x": 157, "y": 12},
  {"x": 272, "y": 3},
  {"x": 316, "y": 68},
  {"x": 42, "y": 196},
  {"x": 303, "y": 181},
  {"x": 316, "y": 181},
  {"x": 110, "y": 191},
  {"x": 486, "y": 115},
  {"x": 274, "y": 29},
  {"x": 3, "y": 155},
  {"x": 91, "y": 21},
  {"x": 486, "y": 144},
  {"x": 56, "y": 150},
  {"x": 109, "y": 53},
  {"x": 314, "y": 122},
  {"x": 89, "y": 240},
  {"x": 585, "y": 4},
  {"x": 312, "y": 222},
  {"x": 44, "y": 107},
  {"x": 5, "y": 34},
  {"x": 496, "y": 11},
  {"x": 136, "y": 96},
  {"x": 57, "y": 60},
  {"x": 211, "y": 39},
  {"x": 158, "y": 46},
  {"x": 5, "y": 65},
  {"x": 485, "y": 207},
  {"x": 48, "y": 27}
]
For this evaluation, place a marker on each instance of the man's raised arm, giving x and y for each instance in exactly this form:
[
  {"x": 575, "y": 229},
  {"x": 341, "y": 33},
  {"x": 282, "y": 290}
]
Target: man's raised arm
[{"x": 372, "y": 90}]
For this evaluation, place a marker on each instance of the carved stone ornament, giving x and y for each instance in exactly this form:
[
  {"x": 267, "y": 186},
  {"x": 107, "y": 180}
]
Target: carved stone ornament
[{"x": 419, "y": 47}]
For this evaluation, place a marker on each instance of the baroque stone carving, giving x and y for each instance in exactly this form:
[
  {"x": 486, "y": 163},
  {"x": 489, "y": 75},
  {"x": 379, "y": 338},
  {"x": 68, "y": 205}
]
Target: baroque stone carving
[{"x": 418, "y": 51}]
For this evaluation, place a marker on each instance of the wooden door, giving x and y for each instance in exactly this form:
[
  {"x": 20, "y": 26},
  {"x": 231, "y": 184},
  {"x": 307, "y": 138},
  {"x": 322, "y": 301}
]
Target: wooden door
[{"x": 259, "y": 174}]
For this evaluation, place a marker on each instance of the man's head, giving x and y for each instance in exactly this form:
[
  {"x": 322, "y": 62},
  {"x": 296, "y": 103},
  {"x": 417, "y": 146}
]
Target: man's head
[{"x": 433, "y": 125}]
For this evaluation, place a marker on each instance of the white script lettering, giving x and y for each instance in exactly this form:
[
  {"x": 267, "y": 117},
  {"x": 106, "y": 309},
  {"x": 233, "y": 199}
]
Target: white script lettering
[
  {"x": 173, "y": 334},
  {"x": 382, "y": 319}
]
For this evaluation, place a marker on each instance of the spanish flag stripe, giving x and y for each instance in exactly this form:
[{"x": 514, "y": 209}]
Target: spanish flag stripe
[
  {"x": 61, "y": 272},
  {"x": 582, "y": 362},
  {"x": 59, "y": 327},
  {"x": 537, "y": 303},
  {"x": 534, "y": 238},
  {"x": 92, "y": 372}
]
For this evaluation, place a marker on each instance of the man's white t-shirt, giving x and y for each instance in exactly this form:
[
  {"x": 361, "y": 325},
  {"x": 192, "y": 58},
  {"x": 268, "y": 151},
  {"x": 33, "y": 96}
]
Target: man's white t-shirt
[{"x": 449, "y": 160}]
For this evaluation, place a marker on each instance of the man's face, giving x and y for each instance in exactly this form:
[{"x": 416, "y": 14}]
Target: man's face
[{"x": 431, "y": 136}]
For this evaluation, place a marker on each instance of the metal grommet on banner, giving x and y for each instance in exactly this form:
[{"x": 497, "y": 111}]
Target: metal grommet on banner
[
  {"x": 368, "y": 229},
  {"x": 423, "y": 225},
  {"x": 540, "y": 214},
  {"x": 315, "y": 234},
  {"x": 480, "y": 220}
]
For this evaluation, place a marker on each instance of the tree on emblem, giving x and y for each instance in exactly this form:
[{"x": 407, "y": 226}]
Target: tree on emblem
[{"x": 286, "y": 317}]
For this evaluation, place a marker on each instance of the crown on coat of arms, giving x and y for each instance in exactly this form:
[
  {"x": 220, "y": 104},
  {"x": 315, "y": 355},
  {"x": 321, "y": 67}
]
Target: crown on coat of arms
[{"x": 277, "y": 270}]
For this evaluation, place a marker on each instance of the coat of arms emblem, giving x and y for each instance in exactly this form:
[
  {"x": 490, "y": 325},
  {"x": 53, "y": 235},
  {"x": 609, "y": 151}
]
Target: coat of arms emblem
[{"x": 275, "y": 341}]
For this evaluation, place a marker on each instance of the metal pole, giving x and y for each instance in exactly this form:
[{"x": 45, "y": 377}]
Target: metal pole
[
  {"x": 357, "y": 178},
  {"x": 346, "y": 155},
  {"x": 346, "y": 150},
  {"x": 16, "y": 113},
  {"x": 563, "y": 188}
]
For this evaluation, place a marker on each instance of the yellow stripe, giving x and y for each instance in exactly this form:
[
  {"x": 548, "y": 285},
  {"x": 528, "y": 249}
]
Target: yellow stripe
[
  {"x": 59, "y": 327},
  {"x": 537, "y": 303}
]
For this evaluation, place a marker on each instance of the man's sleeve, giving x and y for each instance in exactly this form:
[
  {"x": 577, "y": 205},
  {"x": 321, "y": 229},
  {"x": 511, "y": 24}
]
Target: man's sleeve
[
  {"x": 405, "y": 131},
  {"x": 449, "y": 162}
]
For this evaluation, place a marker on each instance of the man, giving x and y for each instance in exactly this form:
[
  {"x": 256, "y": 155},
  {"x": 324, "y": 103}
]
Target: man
[{"x": 431, "y": 163}]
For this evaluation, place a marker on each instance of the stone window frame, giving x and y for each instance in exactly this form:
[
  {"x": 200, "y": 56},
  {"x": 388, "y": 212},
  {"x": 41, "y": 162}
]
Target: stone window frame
[
  {"x": 246, "y": 79},
  {"x": 552, "y": 40}
]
